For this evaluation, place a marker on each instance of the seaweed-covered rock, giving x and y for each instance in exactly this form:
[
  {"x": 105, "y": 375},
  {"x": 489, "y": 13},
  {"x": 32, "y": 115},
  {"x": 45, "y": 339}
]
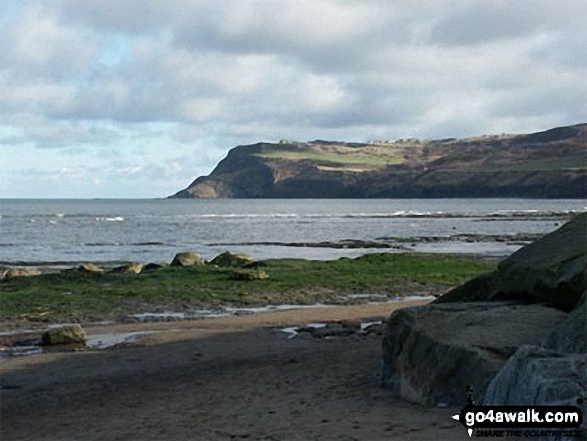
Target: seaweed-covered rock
[
  {"x": 228, "y": 259},
  {"x": 88, "y": 268},
  {"x": 187, "y": 258},
  {"x": 247, "y": 274},
  {"x": 13, "y": 273},
  {"x": 129, "y": 268},
  {"x": 432, "y": 353},
  {"x": 152, "y": 266},
  {"x": 73, "y": 334}
]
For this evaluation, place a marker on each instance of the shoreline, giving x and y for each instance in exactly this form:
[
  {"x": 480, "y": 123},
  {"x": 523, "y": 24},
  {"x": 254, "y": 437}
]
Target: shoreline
[{"x": 227, "y": 378}]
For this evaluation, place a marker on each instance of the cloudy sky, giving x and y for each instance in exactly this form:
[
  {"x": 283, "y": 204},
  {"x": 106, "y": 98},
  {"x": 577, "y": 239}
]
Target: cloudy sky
[{"x": 136, "y": 98}]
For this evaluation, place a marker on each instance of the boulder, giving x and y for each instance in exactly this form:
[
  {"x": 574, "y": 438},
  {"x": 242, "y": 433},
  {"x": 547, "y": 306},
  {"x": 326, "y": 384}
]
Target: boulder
[
  {"x": 242, "y": 274},
  {"x": 20, "y": 272},
  {"x": 538, "y": 376},
  {"x": 551, "y": 270},
  {"x": 187, "y": 258},
  {"x": 129, "y": 268},
  {"x": 232, "y": 260},
  {"x": 432, "y": 353},
  {"x": 89, "y": 268},
  {"x": 72, "y": 334},
  {"x": 152, "y": 266},
  {"x": 571, "y": 334}
]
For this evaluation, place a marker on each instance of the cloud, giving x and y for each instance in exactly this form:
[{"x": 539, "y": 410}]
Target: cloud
[{"x": 163, "y": 80}]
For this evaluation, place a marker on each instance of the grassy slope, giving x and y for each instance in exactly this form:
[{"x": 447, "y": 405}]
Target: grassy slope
[
  {"x": 76, "y": 296},
  {"x": 358, "y": 156}
]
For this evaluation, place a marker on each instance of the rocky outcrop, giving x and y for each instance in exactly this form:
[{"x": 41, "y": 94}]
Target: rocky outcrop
[
  {"x": 187, "y": 258},
  {"x": 432, "y": 353},
  {"x": 552, "y": 270},
  {"x": 548, "y": 164},
  {"x": 66, "y": 335}
]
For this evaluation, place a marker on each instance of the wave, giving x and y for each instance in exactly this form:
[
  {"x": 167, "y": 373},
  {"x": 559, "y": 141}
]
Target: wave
[{"x": 110, "y": 219}]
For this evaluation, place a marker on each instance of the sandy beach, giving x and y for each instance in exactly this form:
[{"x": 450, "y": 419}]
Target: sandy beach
[{"x": 217, "y": 379}]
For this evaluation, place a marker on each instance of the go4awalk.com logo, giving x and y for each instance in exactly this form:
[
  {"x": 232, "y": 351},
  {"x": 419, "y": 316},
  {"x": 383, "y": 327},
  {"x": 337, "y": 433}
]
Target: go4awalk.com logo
[{"x": 521, "y": 421}]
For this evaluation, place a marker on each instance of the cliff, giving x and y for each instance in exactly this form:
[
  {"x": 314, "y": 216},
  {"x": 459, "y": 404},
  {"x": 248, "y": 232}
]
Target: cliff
[{"x": 549, "y": 164}]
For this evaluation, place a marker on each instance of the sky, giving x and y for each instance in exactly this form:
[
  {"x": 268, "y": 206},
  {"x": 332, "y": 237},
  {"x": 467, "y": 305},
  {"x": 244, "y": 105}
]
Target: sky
[{"x": 137, "y": 98}]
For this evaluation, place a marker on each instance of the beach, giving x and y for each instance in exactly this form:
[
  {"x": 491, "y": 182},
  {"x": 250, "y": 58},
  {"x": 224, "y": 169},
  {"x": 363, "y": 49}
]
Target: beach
[{"x": 240, "y": 377}]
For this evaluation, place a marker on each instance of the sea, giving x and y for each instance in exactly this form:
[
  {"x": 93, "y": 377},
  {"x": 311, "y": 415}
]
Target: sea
[{"x": 65, "y": 232}]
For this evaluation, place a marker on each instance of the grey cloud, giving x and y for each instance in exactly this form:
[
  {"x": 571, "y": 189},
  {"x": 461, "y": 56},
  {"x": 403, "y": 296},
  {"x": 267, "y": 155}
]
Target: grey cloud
[
  {"x": 482, "y": 21},
  {"x": 347, "y": 67}
]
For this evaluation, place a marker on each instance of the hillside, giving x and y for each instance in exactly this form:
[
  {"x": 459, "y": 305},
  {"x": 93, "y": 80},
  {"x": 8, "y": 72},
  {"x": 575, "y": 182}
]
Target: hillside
[{"x": 549, "y": 164}]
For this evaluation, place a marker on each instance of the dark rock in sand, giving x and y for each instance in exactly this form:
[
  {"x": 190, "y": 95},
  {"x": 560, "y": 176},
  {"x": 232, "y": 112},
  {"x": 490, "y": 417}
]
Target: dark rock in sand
[
  {"x": 552, "y": 270},
  {"x": 73, "y": 334},
  {"x": 571, "y": 335},
  {"x": 187, "y": 258},
  {"x": 374, "y": 329},
  {"x": 432, "y": 353}
]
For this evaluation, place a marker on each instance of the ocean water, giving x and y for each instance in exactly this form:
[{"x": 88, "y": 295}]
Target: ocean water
[{"x": 62, "y": 232}]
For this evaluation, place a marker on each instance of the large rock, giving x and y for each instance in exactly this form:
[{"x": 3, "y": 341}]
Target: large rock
[
  {"x": 571, "y": 334},
  {"x": 537, "y": 376},
  {"x": 129, "y": 268},
  {"x": 552, "y": 270},
  {"x": 187, "y": 258},
  {"x": 432, "y": 353},
  {"x": 232, "y": 260},
  {"x": 88, "y": 268},
  {"x": 73, "y": 334}
]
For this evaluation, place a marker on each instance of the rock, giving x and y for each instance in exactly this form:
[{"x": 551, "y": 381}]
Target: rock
[
  {"x": 152, "y": 266},
  {"x": 374, "y": 329},
  {"x": 432, "y": 353},
  {"x": 73, "y": 334},
  {"x": 129, "y": 268},
  {"x": 248, "y": 275},
  {"x": 20, "y": 272},
  {"x": 551, "y": 270},
  {"x": 232, "y": 260},
  {"x": 88, "y": 268},
  {"x": 332, "y": 330},
  {"x": 479, "y": 289},
  {"x": 187, "y": 258},
  {"x": 537, "y": 376},
  {"x": 571, "y": 334}
]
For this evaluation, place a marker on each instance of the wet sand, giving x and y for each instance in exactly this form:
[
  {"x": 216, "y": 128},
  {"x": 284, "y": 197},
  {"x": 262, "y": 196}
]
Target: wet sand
[{"x": 217, "y": 379}]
